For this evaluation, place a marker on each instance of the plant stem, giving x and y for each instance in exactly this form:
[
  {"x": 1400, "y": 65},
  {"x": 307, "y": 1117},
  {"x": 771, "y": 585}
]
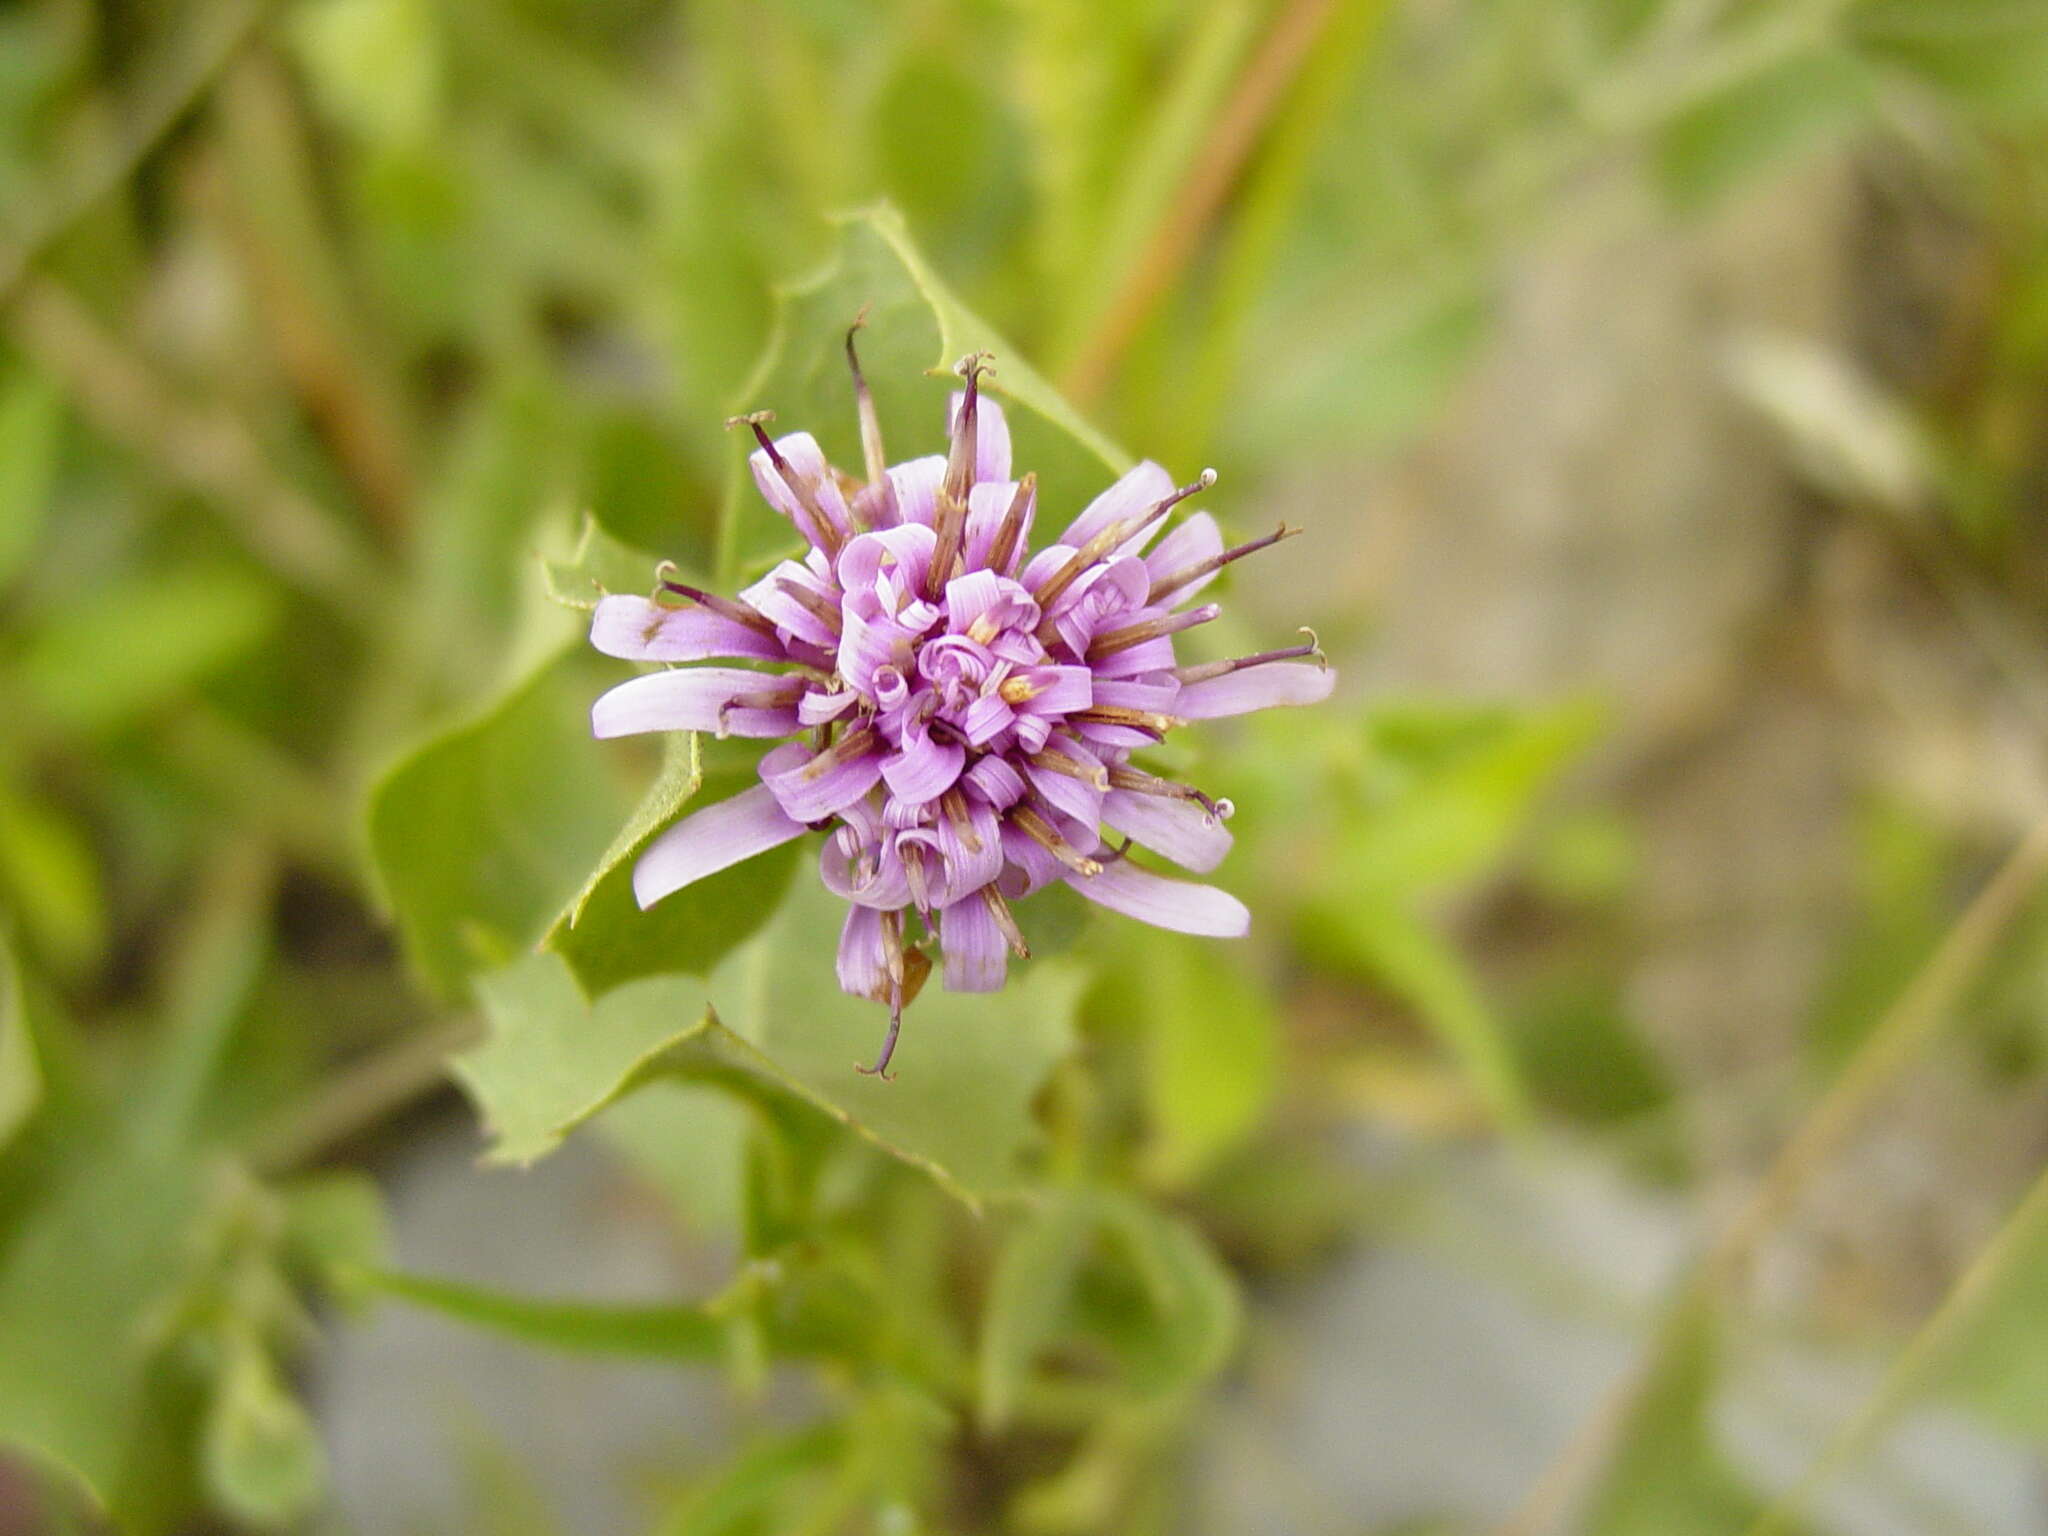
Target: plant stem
[
  {"x": 205, "y": 447},
  {"x": 1959, "y": 1308},
  {"x": 151, "y": 122},
  {"x": 359, "y": 1096},
  {"x": 1911, "y": 1025},
  {"x": 1260, "y": 90}
]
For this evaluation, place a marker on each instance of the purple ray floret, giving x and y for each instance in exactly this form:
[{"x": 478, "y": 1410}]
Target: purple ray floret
[{"x": 960, "y": 711}]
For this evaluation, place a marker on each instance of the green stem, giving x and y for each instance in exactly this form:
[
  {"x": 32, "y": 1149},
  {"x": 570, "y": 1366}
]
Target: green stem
[
  {"x": 1912, "y": 1024},
  {"x": 1965, "y": 1303}
]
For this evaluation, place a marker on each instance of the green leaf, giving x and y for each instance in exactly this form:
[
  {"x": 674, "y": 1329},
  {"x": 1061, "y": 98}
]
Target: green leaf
[
  {"x": 1579, "y": 1048},
  {"x": 744, "y": 1497},
  {"x": 1027, "y": 1298},
  {"x": 681, "y": 776},
  {"x": 334, "y": 1222},
  {"x": 604, "y": 936},
  {"x": 262, "y": 1458},
  {"x": 31, "y": 423},
  {"x": 376, "y": 64},
  {"x": 1460, "y": 784},
  {"x": 680, "y": 1331},
  {"x": 217, "y": 953},
  {"x": 783, "y": 1031},
  {"x": 1191, "y": 1299},
  {"x": 1097, "y": 1261},
  {"x": 598, "y": 565},
  {"x": 1988, "y": 54},
  {"x": 943, "y": 147},
  {"x": 21, "y": 1080},
  {"x": 1762, "y": 120},
  {"x": 80, "y": 1276},
  {"x": 554, "y": 1059},
  {"x": 47, "y": 867},
  {"x": 967, "y": 1068},
  {"x": 687, "y": 1142},
  {"x": 479, "y": 835},
  {"x": 915, "y": 326},
  {"x": 1994, "y": 1349},
  {"x": 1212, "y": 1045},
  {"x": 1984, "y": 1343},
  {"x": 1410, "y": 959},
  {"x": 123, "y": 649},
  {"x": 1668, "y": 1478}
]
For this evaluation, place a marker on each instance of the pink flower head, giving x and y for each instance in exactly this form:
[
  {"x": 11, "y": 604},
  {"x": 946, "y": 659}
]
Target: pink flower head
[{"x": 961, "y": 714}]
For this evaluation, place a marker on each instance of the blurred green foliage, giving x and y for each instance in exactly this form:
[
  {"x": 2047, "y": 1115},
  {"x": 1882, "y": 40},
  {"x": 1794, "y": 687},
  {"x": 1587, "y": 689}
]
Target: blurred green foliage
[{"x": 347, "y": 346}]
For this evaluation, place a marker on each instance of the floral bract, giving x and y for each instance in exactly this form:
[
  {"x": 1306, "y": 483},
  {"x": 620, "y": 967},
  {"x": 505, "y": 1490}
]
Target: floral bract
[{"x": 961, "y": 713}]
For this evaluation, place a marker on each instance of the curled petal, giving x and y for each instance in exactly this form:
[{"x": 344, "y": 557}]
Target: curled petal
[
  {"x": 1118, "y": 586},
  {"x": 991, "y": 435},
  {"x": 996, "y": 782},
  {"x": 973, "y": 851},
  {"x": 695, "y": 699},
  {"x": 955, "y": 659},
  {"x": 977, "y": 957},
  {"x": 1133, "y": 494},
  {"x": 863, "y": 956},
  {"x": 715, "y": 838},
  {"x": 874, "y": 643},
  {"x": 1194, "y": 541},
  {"x": 916, "y": 484},
  {"x": 996, "y": 601},
  {"x": 1027, "y": 865},
  {"x": 1107, "y": 596},
  {"x": 817, "y": 706},
  {"x": 1016, "y": 647},
  {"x": 776, "y": 603},
  {"x": 969, "y": 596},
  {"x": 874, "y": 506},
  {"x": 986, "y": 718},
  {"x": 1239, "y": 693},
  {"x": 924, "y": 769},
  {"x": 1183, "y": 830},
  {"x": 899, "y": 817},
  {"x": 891, "y": 690},
  {"x": 924, "y": 867},
  {"x": 806, "y": 461},
  {"x": 813, "y": 788},
  {"x": 902, "y": 554},
  {"x": 870, "y": 876},
  {"x": 1179, "y": 905},
  {"x": 637, "y": 629}
]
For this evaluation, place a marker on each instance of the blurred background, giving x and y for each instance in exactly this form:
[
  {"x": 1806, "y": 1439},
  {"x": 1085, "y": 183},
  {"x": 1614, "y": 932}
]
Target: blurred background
[{"x": 1628, "y": 1115}]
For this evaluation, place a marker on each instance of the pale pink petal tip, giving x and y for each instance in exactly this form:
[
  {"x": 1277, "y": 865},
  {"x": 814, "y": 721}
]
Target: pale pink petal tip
[
  {"x": 1185, "y": 831},
  {"x": 1239, "y": 693},
  {"x": 715, "y": 838},
  {"x": 1180, "y": 905},
  {"x": 863, "y": 957},
  {"x": 697, "y": 699},
  {"x": 637, "y": 629}
]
